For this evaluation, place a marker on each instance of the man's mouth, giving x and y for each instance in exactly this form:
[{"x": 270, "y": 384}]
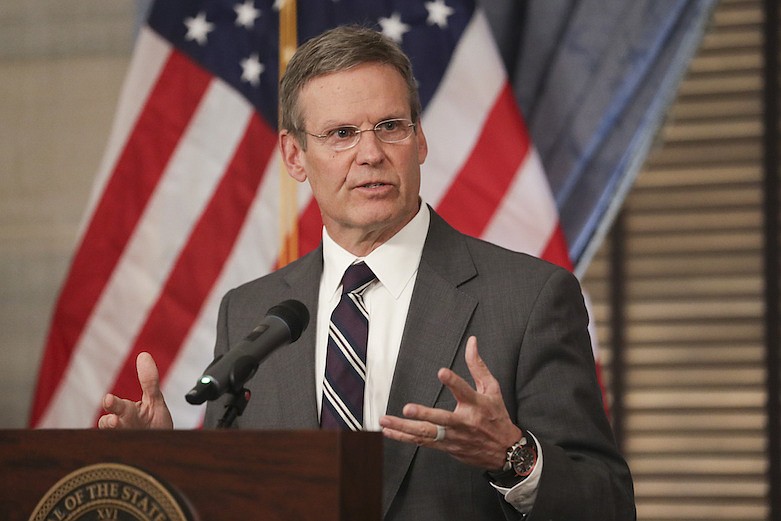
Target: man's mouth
[{"x": 372, "y": 185}]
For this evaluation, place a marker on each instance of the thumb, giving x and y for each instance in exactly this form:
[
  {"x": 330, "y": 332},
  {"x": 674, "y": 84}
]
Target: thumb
[{"x": 148, "y": 376}]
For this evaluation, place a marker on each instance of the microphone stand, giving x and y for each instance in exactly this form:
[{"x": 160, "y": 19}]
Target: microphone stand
[
  {"x": 235, "y": 407},
  {"x": 243, "y": 370}
]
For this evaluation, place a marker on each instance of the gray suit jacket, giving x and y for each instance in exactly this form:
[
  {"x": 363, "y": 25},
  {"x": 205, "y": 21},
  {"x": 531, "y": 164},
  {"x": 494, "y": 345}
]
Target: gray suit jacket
[{"x": 530, "y": 322}]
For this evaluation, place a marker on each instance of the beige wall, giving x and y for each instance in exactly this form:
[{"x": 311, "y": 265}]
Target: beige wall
[{"x": 61, "y": 68}]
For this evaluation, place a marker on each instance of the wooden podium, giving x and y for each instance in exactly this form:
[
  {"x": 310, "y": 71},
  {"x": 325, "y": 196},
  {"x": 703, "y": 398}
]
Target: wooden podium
[{"x": 219, "y": 475}]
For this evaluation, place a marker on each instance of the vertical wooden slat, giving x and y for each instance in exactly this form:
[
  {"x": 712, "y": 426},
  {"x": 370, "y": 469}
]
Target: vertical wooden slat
[{"x": 772, "y": 139}]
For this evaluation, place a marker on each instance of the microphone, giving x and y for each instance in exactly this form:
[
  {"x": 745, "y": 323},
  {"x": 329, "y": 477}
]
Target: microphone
[{"x": 282, "y": 325}]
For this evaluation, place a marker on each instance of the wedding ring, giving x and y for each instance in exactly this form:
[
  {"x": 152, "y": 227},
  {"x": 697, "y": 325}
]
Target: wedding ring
[{"x": 440, "y": 433}]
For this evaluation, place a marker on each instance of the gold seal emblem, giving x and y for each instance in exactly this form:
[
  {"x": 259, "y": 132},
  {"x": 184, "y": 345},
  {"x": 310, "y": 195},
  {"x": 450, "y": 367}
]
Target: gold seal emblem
[{"x": 108, "y": 491}]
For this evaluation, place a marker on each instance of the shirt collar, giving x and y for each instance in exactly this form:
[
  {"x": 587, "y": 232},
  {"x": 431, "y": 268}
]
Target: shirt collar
[{"x": 394, "y": 262}]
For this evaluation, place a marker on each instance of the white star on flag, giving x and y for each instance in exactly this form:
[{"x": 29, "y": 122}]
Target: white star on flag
[
  {"x": 251, "y": 70},
  {"x": 198, "y": 28},
  {"x": 246, "y": 14},
  {"x": 393, "y": 27},
  {"x": 438, "y": 12}
]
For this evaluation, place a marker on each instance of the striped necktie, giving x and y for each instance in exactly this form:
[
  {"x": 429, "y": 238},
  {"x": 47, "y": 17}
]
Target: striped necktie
[{"x": 345, "y": 366}]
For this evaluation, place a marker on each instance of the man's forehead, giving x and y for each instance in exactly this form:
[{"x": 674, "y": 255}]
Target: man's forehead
[
  {"x": 367, "y": 88},
  {"x": 375, "y": 68}
]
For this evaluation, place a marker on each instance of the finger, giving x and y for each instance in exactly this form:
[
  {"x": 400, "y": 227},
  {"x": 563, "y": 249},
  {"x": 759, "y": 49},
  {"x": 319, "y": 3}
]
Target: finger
[
  {"x": 407, "y": 426},
  {"x": 148, "y": 376},
  {"x": 461, "y": 390},
  {"x": 115, "y": 405},
  {"x": 404, "y": 437},
  {"x": 108, "y": 402},
  {"x": 108, "y": 421},
  {"x": 413, "y": 411},
  {"x": 408, "y": 431},
  {"x": 485, "y": 382},
  {"x": 401, "y": 436}
]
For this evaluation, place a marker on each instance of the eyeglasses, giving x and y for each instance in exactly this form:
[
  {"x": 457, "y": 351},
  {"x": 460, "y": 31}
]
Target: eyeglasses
[{"x": 347, "y": 136}]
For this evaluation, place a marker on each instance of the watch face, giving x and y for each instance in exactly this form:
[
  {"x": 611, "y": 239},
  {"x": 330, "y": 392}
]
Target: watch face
[{"x": 523, "y": 459}]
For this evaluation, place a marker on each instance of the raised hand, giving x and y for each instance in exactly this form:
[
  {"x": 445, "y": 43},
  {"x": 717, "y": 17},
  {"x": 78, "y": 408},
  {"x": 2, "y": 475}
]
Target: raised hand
[
  {"x": 149, "y": 413},
  {"x": 477, "y": 432}
]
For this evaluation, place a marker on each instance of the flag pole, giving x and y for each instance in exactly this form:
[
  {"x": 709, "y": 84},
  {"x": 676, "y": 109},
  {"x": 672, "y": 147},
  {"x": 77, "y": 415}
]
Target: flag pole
[{"x": 288, "y": 205}]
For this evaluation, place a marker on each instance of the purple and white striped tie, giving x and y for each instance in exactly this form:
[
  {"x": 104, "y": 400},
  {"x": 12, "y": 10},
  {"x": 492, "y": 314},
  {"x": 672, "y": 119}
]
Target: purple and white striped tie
[{"x": 345, "y": 366}]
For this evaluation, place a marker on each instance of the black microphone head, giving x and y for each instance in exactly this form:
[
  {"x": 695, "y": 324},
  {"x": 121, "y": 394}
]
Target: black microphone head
[{"x": 294, "y": 314}]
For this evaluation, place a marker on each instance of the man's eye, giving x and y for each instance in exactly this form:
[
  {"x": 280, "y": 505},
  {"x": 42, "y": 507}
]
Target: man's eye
[
  {"x": 341, "y": 133},
  {"x": 389, "y": 126}
]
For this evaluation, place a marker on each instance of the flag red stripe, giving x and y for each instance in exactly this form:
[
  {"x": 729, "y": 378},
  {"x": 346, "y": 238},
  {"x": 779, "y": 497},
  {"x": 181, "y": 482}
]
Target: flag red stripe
[
  {"x": 162, "y": 121},
  {"x": 310, "y": 230},
  {"x": 202, "y": 259},
  {"x": 477, "y": 190},
  {"x": 556, "y": 250}
]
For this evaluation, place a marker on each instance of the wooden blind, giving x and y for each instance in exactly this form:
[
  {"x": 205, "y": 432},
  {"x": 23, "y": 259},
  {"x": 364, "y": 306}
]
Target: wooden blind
[{"x": 694, "y": 401}]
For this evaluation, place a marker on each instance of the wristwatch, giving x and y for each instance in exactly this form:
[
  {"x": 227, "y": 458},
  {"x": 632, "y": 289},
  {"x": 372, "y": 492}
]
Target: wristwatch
[{"x": 518, "y": 464}]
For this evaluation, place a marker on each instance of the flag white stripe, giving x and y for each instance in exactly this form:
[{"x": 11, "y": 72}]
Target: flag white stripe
[
  {"x": 527, "y": 216},
  {"x": 136, "y": 282},
  {"x": 191, "y": 359},
  {"x": 455, "y": 116}
]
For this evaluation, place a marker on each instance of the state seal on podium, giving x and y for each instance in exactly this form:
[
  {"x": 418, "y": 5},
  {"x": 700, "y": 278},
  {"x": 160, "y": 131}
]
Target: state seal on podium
[{"x": 110, "y": 491}]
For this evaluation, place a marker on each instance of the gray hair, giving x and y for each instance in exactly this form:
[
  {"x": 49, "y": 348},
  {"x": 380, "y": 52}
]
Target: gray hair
[{"x": 335, "y": 50}]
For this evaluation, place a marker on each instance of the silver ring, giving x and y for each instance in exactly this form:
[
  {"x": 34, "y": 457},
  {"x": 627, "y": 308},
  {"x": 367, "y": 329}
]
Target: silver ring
[{"x": 440, "y": 433}]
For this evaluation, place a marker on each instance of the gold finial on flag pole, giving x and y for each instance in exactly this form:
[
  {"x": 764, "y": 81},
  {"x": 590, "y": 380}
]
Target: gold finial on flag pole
[{"x": 288, "y": 204}]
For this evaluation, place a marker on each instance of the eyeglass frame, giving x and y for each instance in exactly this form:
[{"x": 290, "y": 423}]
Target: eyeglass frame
[{"x": 405, "y": 122}]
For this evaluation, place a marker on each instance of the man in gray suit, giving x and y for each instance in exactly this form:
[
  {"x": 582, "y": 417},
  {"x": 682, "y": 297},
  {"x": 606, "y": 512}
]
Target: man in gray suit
[{"x": 513, "y": 430}]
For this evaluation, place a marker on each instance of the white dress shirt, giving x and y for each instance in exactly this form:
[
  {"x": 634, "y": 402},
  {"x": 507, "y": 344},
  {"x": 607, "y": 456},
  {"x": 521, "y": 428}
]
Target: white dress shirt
[{"x": 395, "y": 263}]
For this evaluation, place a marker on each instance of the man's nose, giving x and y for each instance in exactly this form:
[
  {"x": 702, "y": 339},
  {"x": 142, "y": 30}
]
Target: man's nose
[{"x": 369, "y": 148}]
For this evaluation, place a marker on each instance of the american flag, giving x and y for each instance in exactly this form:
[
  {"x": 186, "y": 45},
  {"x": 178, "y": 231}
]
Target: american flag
[{"x": 186, "y": 201}]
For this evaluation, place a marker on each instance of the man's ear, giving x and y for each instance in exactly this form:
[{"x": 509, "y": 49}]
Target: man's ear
[
  {"x": 422, "y": 144},
  {"x": 292, "y": 155}
]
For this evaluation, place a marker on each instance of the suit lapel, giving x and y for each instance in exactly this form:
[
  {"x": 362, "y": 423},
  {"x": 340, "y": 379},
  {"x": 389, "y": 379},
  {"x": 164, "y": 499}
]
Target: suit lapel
[{"x": 437, "y": 320}]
